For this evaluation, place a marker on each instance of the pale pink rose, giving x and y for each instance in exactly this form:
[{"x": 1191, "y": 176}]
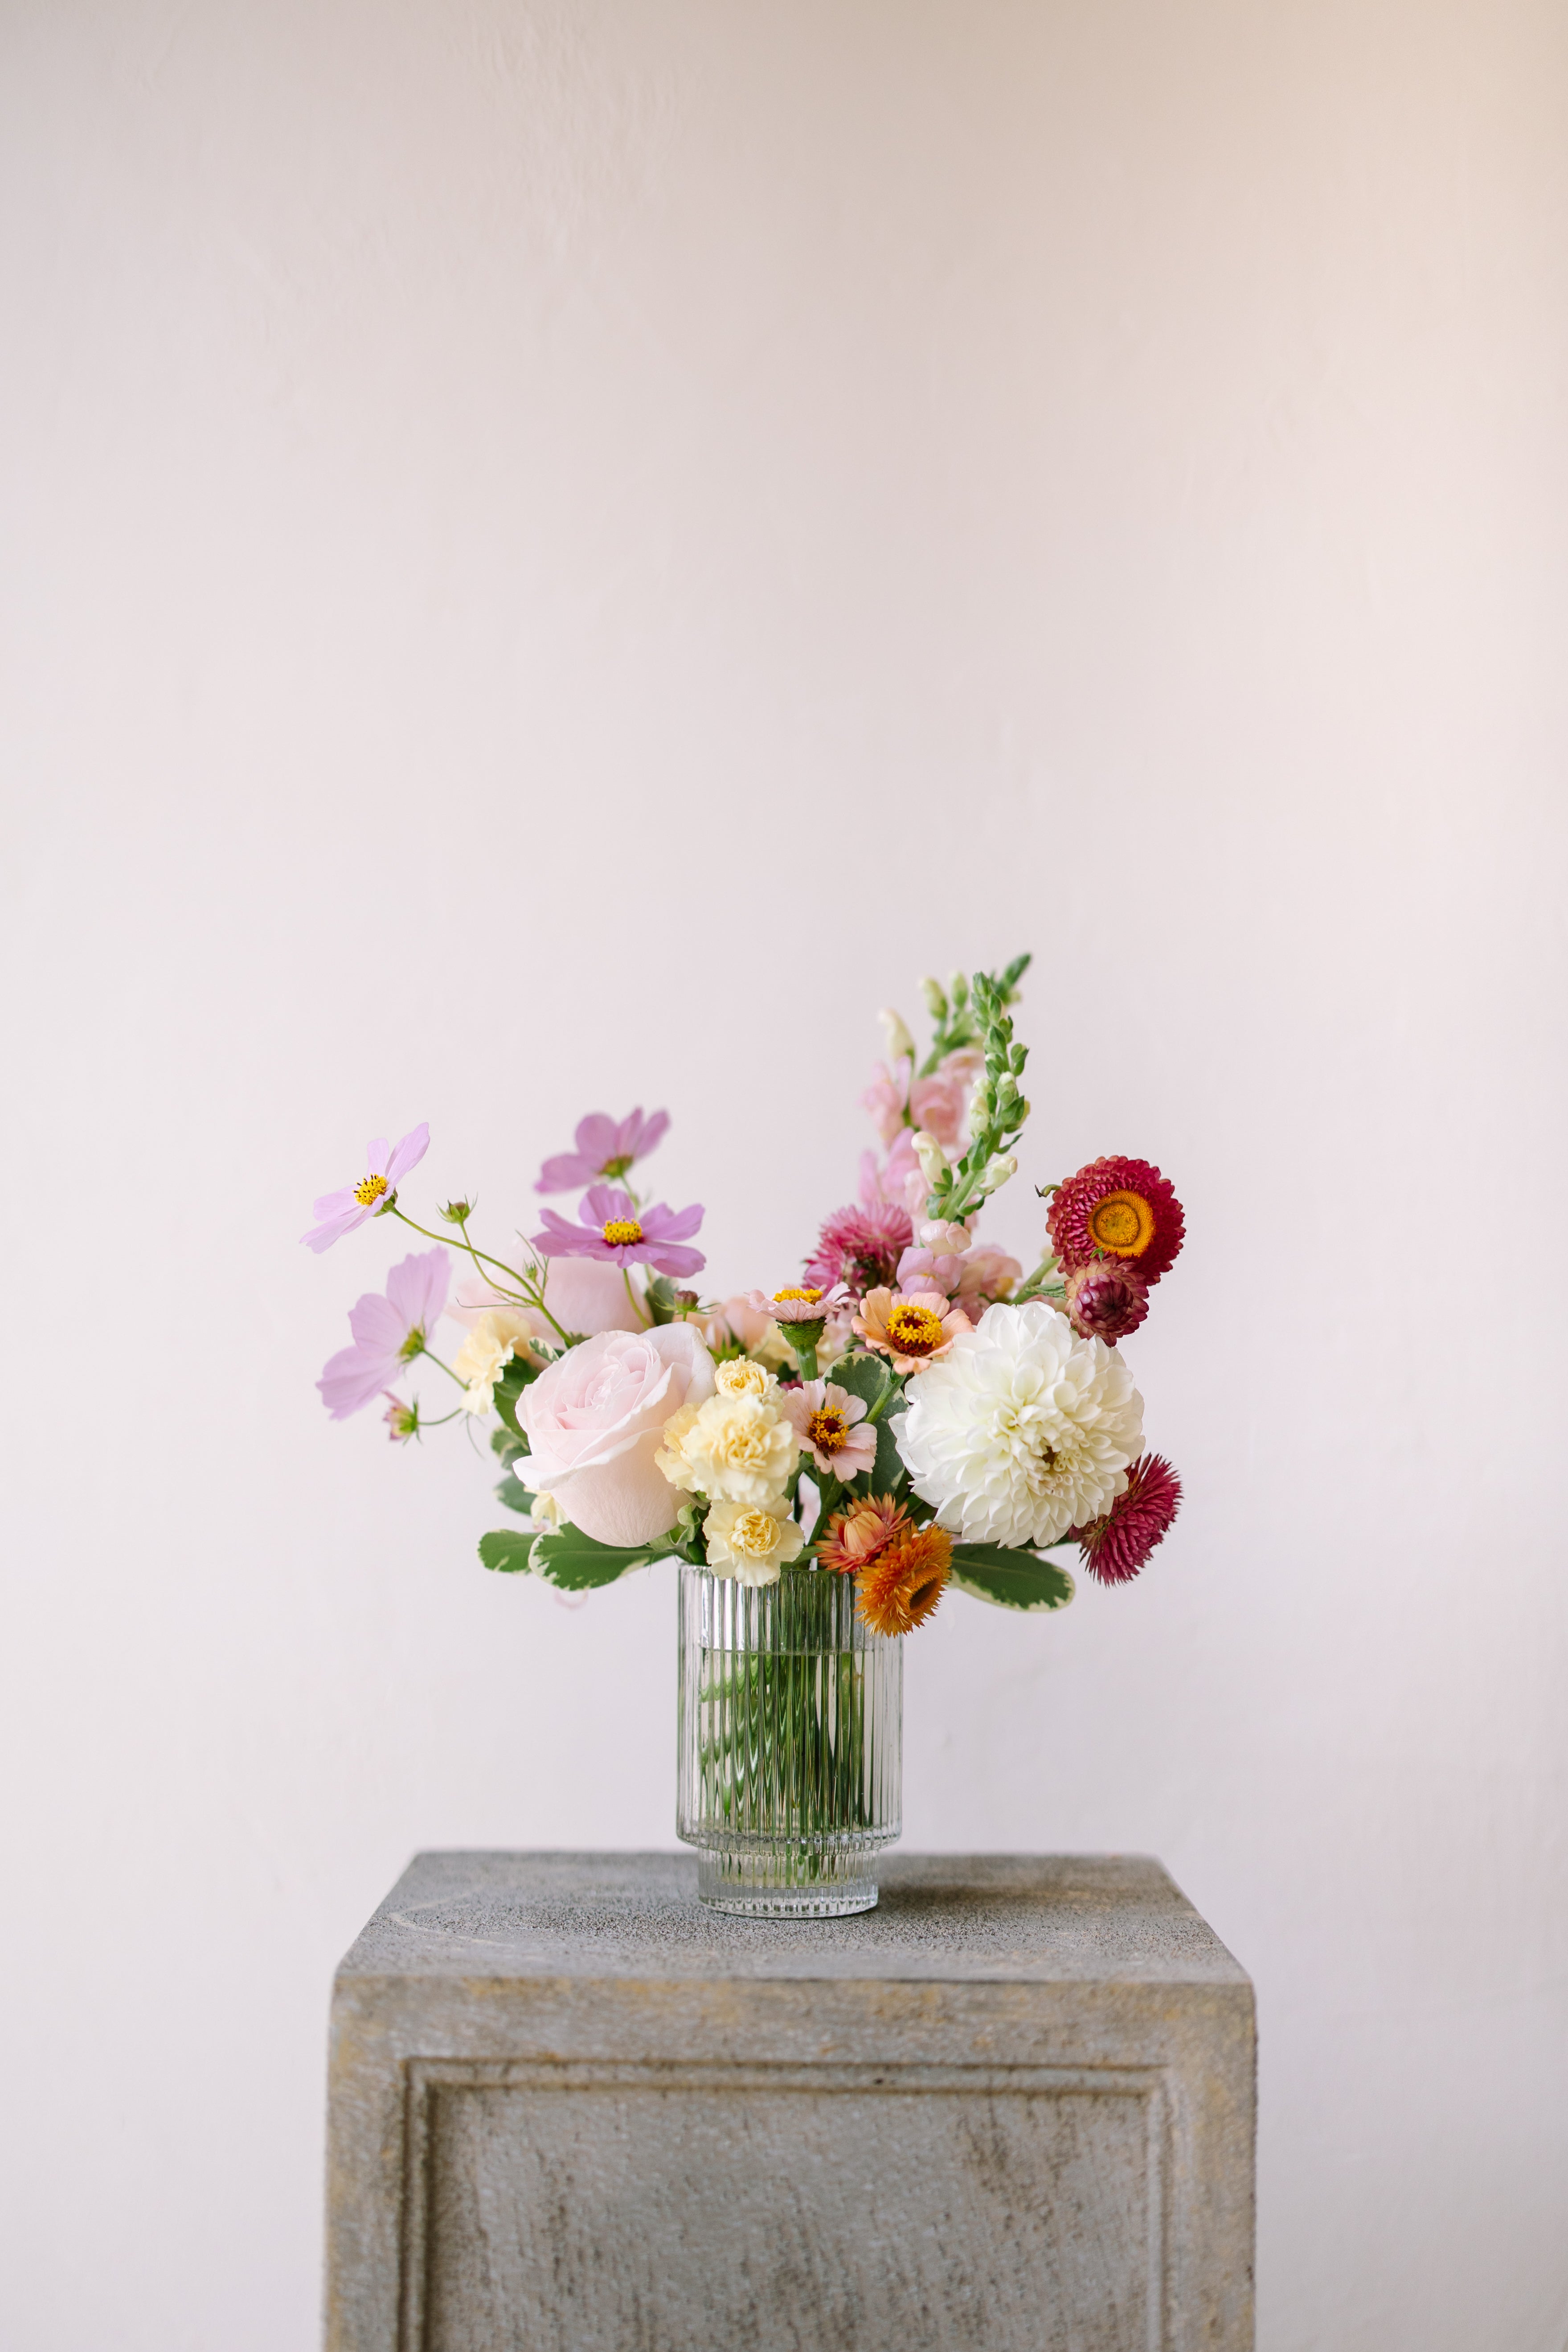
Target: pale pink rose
[
  {"x": 583, "y": 1294},
  {"x": 595, "y": 1419}
]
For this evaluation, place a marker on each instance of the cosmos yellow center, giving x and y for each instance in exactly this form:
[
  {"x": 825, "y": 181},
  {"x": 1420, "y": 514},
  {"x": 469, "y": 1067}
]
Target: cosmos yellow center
[
  {"x": 826, "y": 1430},
  {"x": 1123, "y": 1223},
  {"x": 809, "y": 1297},
  {"x": 914, "y": 1330},
  {"x": 623, "y": 1233},
  {"x": 369, "y": 1189}
]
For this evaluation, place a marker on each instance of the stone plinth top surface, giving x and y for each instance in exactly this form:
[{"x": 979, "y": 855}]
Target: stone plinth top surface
[{"x": 1107, "y": 1919}]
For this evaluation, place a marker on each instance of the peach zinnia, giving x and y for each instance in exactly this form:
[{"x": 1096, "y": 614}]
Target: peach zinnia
[
  {"x": 853, "y": 1539},
  {"x": 914, "y": 1327},
  {"x": 903, "y": 1585}
]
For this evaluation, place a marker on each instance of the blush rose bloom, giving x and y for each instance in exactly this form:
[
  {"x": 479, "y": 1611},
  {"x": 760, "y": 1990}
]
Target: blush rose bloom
[{"x": 595, "y": 1420}]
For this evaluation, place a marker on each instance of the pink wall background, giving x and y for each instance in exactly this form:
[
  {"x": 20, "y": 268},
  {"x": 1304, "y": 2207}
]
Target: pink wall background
[{"x": 557, "y": 556}]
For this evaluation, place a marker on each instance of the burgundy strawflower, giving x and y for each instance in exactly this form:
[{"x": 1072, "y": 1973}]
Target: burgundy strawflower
[
  {"x": 1106, "y": 1298},
  {"x": 1116, "y": 1546},
  {"x": 861, "y": 1247},
  {"x": 1117, "y": 1208}
]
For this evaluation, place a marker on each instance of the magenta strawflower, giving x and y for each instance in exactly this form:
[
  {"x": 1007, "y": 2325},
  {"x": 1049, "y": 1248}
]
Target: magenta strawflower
[
  {"x": 390, "y": 1329},
  {"x": 603, "y": 1150},
  {"x": 1106, "y": 1299},
  {"x": 860, "y": 1248},
  {"x": 338, "y": 1213},
  {"x": 1116, "y": 1546},
  {"x": 613, "y": 1229}
]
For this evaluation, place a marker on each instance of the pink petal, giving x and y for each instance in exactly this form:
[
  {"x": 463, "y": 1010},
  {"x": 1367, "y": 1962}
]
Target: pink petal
[
  {"x": 670, "y": 1260},
  {"x": 603, "y": 1203},
  {"x": 410, "y": 1151},
  {"x": 651, "y": 1134},
  {"x": 377, "y": 1325},
  {"x": 417, "y": 1287},
  {"x": 597, "y": 1138},
  {"x": 350, "y": 1381},
  {"x": 565, "y": 1172},
  {"x": 663, "y": 1223},
  {"x": 323, "y": 1236},
  {"x": 377, "y": 1152}
]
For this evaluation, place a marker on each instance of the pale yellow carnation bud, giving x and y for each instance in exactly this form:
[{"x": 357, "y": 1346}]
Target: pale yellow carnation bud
[
  {"x": 750, "y": 1542},
  {"x": 741, "y": 1377}
]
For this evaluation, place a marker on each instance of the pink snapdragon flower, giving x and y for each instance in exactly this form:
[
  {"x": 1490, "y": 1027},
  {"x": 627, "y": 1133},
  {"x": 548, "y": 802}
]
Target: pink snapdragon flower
[
  {"x": 896, "y": 1098},
  {"x": 390, "y": 1329},
  {"x": 338, "y": 1213},
  {"x": 900, "y": 1179},
  {"x": 604, "y": 1148},
  {"x": 613, "y": 1229}
]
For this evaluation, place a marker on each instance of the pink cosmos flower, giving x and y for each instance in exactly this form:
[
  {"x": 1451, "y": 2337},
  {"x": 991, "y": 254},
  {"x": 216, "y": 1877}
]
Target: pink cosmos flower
[
  {"x": 390, "y": 1329},
  {"x": 338, "y": 1213},
  {"x": 603, "y": 1150},
  {"x": 824, "y": 1417},
  {"x": 615, "y": 1229},
  {"x": 859, "y": 1247}
]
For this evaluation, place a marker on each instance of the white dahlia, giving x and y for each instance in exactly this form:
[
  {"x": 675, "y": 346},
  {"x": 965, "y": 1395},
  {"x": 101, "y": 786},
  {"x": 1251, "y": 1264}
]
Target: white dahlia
[{"x": 1022, "y": 1430}]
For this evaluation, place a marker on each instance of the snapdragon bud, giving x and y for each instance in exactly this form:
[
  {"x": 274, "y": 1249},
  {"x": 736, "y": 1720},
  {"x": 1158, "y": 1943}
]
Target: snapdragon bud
[
  {"x": 935, "y": 999},
  {"x": 931, "y": 1157},
  {"x": 999, "y": 1172},
  {"x": 900, "y": 1045}
]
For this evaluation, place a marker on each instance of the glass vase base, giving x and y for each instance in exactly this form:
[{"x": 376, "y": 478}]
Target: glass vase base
[{"x": 784, "y": 1883}]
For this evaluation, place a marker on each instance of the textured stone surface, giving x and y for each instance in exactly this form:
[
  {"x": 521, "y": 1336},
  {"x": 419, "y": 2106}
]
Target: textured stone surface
[{"x": 1011, "y": 2107}]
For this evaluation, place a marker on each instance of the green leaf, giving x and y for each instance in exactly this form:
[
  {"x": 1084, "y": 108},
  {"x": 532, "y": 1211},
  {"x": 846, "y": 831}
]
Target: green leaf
[
  {"x": 864, "y": 1376},
  {"x": 514, "y": 1495},
  {"x": 509, "y": 1445},
  {"x": 509, "y": 1551},
  {"x": 889, "y": 1476},
  {"x": 661, "y": 1298},
  {"x": 515, "y": 1377},
  {"x": 1012, "y": 1579},
  {"x": 576, "y": 1563}
]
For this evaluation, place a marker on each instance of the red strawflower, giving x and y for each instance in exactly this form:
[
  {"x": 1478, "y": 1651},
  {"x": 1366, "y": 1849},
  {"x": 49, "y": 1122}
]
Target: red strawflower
[
  {"x": 861, "y": 1247},
  {"x": 1106, "y": 1298},
  {"x": 1116, "y": 1547},
  {"x": 1117, "y": 1208}
]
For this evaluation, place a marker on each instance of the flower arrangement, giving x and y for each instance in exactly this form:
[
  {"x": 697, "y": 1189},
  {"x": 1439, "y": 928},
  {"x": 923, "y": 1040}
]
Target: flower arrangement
[{"x": 914, "y": 1412}]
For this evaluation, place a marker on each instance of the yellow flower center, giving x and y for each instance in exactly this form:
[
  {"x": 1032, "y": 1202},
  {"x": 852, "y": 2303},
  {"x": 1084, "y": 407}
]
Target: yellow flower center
[
  {"x": 914, "y": 1330},
  {"x": 826, "y": 1430},
  {"x": 369, "y": 1189},
  {"x": 623, "y": 1233},
  {"x": 1123, "y": 1223},
  {"x": 810, "y": 1297}
]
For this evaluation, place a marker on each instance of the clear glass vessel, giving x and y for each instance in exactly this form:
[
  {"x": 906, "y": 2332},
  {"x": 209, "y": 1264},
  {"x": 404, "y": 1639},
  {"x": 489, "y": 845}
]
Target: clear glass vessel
[{"x": 790, "y": 1757}]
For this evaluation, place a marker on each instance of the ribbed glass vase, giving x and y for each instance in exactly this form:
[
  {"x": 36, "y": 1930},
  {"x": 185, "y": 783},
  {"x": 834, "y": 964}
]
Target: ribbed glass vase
[{"x": 789, "y": 1758}]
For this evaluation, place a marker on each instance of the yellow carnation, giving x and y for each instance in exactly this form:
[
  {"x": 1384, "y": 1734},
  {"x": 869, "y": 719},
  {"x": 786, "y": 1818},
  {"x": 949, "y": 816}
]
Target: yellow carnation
[
  {"x": 736, "y": 1449},
  {"x": 749, "y": 1543},
  {"x": 495, "y": 1338}
]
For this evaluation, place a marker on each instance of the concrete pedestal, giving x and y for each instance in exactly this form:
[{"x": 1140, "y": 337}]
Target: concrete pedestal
[{"x": 1011, "y": 2108}]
